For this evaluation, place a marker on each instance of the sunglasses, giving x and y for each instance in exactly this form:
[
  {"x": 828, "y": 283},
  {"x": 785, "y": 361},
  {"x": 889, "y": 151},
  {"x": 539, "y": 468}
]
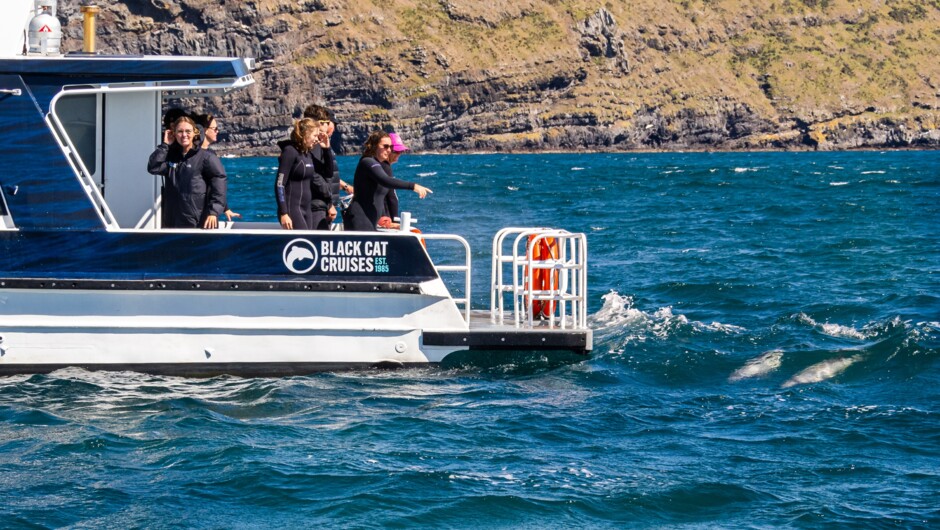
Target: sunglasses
[
  {"x": 385, "y": 146},
  {"x": 187, "y": 133},
  {"x": 216, "y": 129}
]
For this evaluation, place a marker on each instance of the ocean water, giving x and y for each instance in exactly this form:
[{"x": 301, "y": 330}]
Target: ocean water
[{"x": 767, "y": 338}]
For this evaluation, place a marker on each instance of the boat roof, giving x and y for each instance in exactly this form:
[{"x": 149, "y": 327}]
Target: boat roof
[{"x": 116, "y": 68}]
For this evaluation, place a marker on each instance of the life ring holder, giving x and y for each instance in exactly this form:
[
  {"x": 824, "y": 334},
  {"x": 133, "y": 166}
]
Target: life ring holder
[{"x": 540, "y": 248}]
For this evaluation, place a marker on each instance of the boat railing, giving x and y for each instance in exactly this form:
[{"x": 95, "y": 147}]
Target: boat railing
[
  {"x": 462, "y": 301},
  {"x": 548, "y": 269}
]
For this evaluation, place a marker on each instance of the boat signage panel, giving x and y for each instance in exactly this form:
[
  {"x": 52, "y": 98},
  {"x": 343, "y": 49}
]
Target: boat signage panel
[{"x": 213, "y": 255}]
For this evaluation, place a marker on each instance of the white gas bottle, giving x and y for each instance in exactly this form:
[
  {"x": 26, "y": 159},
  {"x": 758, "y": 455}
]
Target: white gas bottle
[{"x": 45, "y": 31}]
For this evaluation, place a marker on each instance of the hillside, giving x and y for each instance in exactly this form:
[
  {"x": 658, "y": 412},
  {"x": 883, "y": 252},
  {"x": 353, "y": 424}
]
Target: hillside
[{"x": 451, "y": 75}]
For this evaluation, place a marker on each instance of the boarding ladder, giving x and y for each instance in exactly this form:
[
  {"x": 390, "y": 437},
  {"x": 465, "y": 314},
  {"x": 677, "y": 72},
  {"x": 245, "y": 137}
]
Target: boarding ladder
[{"x": 567, "y": 291}]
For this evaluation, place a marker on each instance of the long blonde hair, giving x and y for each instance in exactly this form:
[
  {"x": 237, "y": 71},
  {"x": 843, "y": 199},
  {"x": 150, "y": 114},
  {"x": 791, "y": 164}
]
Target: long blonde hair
[{"x": 302, "y": 128}]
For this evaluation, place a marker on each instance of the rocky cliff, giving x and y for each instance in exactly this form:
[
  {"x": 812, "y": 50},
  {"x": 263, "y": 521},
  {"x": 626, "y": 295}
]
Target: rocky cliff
[{"x": 516, "y": 75}]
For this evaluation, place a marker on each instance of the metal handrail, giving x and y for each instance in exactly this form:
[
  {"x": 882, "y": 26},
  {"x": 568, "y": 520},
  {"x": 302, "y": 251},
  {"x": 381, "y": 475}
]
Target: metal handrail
[
  {"x": 465, "y": 268},
  {"x": 569, "y": 292}
]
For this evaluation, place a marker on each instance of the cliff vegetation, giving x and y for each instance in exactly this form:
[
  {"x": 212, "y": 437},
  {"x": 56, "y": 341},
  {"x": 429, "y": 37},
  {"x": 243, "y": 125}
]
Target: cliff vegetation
[{"x": 461, "y": 75}]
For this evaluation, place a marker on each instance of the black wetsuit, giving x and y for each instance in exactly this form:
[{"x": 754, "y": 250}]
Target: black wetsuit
[
  {"x": 322, "y": 186},
  {"x": 194, "y": 185},
  {"x": 389, "y": 199},
  {"x": 334, "y": 182},
  {"x": 364, "y": 212},
  {"x": 297, "y": 185}
]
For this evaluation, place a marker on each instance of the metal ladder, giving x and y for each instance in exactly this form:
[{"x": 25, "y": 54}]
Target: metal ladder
[{"x": 567, "y": 291}]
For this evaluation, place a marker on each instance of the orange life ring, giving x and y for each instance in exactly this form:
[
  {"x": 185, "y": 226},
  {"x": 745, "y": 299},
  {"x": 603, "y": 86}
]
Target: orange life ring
[
  {"x": 416, "y": 231},
  {"x": 543, "y": 279}
]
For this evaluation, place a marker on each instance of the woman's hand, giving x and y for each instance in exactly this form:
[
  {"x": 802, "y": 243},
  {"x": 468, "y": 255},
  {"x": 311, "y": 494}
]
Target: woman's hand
[
  {"x": 286, "y": 223},
  {"x": 211, "y": 222},
  {"x": 331, "y": 213},
  {"x": 168, "y": 136},
  {"x": 422, "y": 191},
  {"x": 229, "y": 214}
]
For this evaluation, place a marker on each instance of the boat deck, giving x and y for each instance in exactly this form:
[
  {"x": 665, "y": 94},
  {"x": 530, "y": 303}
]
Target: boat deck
[{"x": 484, "y": 334}]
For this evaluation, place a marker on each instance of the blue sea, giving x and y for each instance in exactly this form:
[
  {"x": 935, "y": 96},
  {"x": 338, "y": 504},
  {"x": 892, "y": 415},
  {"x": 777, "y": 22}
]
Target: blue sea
[{"x": 766, "y": 354}]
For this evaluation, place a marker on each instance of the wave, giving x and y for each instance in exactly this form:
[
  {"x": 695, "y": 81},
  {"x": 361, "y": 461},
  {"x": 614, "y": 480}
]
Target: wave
[
  {"x": 669, "y": 346},
  {"x": 619, "y": 317},
  {"x": 836, "y": 330},
  {"x": 838, "y": 183},
  {"x": 427, "y": 174},
  {"x": 890, "y": 346}
]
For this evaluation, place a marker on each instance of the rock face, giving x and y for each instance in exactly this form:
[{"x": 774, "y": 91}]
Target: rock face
[{"x": 519, "y": 75}]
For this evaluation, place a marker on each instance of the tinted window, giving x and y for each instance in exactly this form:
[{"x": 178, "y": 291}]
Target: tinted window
[{"x": 78, "y": 115}]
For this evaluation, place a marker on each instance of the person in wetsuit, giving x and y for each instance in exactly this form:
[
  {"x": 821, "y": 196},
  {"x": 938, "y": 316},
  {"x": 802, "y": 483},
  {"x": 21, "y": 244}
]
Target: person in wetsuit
[
  {"x": 387, "y": 219},
  {"x": 194, "y": 182},
  {"x": 298, "y": 181},
  {"x": 366, "y": 207},
  {"x": 323, "y": 116}
]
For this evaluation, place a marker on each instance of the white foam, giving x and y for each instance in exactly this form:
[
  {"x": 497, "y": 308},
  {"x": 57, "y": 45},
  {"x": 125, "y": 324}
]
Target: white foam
[
  {"x": 873, "y": 172},
  {"x": 838, "y": 183},
  {"x": 577, "y": 168},
  {"x": 833, "y": 330},
  {"x": 429, "y": 174},
  {"x": 758, "y": 366},
  {"x": 837, "y": 330},
  {"x": 618, "y": 313},
  {"x": 512, "y": 188}
]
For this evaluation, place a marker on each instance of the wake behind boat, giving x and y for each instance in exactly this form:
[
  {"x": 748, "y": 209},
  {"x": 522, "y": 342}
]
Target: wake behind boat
[{"x": 89, "y": 278}]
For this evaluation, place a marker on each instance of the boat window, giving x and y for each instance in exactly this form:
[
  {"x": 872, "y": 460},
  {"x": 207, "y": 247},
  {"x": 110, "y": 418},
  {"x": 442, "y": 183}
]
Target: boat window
[{"x": 79, "y": 117}]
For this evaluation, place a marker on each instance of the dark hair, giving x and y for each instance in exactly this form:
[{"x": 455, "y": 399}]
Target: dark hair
[
  {"x": 300, "y": 131},
  {"x": 203, "y": 120},
  {"x": 171, "y": 116},
  {"x": 372, "y": 143},
  {"x": 316, "y": 112}
]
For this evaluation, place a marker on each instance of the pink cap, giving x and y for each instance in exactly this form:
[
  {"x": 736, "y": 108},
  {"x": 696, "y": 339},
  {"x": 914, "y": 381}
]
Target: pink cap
[{"x": 397, "y": 144}]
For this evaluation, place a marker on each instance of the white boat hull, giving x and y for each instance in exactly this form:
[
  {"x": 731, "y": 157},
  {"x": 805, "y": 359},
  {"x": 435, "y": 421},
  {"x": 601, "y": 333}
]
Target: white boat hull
[{"x": 190, "y": 330}]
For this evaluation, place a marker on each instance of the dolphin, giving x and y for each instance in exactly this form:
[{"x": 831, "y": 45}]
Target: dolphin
[
  {"x": 758, "y": 366},
  {"x": 298, "y": 253},
  {"x": 821, "y": 371}
]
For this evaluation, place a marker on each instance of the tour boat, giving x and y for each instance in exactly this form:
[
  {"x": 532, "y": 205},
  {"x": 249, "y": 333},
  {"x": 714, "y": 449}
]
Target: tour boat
[{"x": 89, "y": 279}]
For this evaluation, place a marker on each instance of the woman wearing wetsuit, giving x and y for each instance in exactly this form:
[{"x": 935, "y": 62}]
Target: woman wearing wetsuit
[
  {"x": 193, "y": 178},
  {"x": 367, "y": 206},
  {"x": 298, "y": 182}
]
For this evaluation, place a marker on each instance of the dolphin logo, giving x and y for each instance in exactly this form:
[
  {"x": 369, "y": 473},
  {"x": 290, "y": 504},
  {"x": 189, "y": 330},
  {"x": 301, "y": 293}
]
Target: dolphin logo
[{"x": 297, "y": 254}]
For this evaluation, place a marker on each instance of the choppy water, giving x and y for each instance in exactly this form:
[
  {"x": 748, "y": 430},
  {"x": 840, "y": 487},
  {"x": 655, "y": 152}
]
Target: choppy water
[{"x": 766, "y": 354}]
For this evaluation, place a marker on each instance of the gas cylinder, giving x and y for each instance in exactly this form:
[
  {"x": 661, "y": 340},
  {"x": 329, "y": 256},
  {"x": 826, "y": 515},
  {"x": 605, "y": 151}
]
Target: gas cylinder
[{"x": 45, "y": 31}]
